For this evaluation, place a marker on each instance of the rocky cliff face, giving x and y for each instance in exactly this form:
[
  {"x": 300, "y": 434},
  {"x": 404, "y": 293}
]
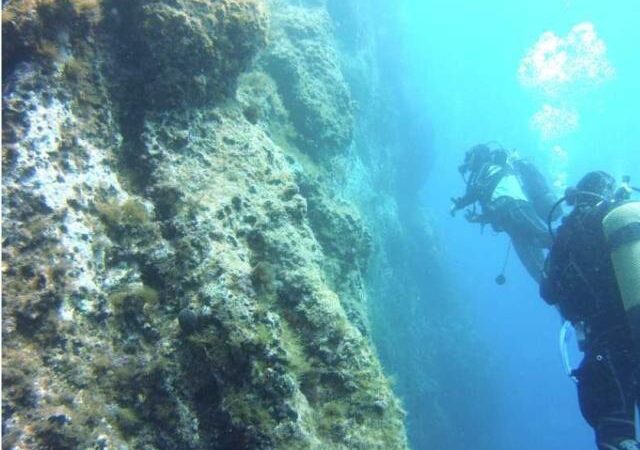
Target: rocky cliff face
[
  {"x": 176, "y": 273},
  {"x": 422, "y": 326}
]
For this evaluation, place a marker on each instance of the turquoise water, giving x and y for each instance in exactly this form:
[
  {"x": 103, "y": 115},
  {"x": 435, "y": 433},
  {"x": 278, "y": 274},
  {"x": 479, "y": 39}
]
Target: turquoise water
[
  {"x": 460, "y": 64},
  {"x": 184, "y": 247}
]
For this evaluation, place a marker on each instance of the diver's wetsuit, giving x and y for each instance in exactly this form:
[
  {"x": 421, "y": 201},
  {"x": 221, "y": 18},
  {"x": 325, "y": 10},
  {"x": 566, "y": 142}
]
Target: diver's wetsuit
[
  {"x": 509, "y": 210},
  {"x": 579, "y": 279},
  {"x": 527, "y": 231}
]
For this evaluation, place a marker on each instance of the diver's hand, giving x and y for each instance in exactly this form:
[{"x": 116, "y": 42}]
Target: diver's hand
[{"x": 472, "y": 217}]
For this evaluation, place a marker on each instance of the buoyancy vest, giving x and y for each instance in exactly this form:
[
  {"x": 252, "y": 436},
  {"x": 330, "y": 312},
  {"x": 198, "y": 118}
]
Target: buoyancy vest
[
  {"x": 536, "y": 188},
  {"x": 579, "y": 277},
  {"x": 509, "y": 186}
]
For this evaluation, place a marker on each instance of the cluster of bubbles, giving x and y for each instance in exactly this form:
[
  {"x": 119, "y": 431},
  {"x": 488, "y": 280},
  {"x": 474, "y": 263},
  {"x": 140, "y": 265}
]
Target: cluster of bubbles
[
  {"x": 561, "y": 69},
  {"x": 555, "y": 121},
  {"x": 555, "y": 62},
  {"x": 558, "y": 67}
]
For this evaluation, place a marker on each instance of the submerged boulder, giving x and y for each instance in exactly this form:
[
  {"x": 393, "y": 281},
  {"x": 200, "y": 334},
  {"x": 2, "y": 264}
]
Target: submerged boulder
[
  {"x": 191, "y": 52},
  {"x": 303, "y": 60},
  {"x": 197, "y": 49}
]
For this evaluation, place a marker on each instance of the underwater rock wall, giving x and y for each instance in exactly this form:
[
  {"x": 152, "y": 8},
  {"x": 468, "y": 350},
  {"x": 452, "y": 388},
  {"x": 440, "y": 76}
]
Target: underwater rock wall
[
  {"x": 303, "y": 61},
  {"x": 176, "y": 271},
  {"x": 421, "y": 325}
]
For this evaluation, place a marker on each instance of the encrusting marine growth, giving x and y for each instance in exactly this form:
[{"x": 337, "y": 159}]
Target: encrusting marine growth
[{"x": 175, "y": 274}]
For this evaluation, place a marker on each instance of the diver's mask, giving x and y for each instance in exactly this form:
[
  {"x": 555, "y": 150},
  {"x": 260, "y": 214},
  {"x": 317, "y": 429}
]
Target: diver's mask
[
  {"x": 473, "y": 158},
  {"x": 463, "y": 168}
]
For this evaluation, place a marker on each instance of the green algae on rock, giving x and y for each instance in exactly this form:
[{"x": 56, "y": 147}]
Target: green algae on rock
[
  {"x": 41, "y": 28},
  {"x": 264, "y": 229},
  {"x": 194, "y": 50}
]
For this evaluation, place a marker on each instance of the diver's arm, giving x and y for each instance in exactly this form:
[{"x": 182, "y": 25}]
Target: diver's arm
[
  {"x": 462, "y": 202},
  {"x": 558, "y": 258},
  {"x": 472, "y": 193}
]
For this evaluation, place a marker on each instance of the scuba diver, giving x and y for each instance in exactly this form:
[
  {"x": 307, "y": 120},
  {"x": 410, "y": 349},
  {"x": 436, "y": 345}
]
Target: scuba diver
[
  {"x": 592, "y": 275},
  {"x": 513, "y": 196}
]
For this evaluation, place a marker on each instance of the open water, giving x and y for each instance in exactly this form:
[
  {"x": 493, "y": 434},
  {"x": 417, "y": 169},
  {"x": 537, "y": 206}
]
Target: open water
[{"x": 558, "y": 81}]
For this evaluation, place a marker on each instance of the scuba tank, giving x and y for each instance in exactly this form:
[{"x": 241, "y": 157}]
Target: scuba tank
[
  {"x": 622, "y": 230},
  {"x": 536, "y": 189}
]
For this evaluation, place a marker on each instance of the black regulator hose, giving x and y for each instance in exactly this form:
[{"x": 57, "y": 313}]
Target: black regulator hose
[
  {"x": 551, "y": 214},
  {"x": 571, "y": 195}
]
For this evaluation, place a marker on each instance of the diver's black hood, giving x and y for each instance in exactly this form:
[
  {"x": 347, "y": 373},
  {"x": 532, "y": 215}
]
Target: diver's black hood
[
  {"x": 474, "y": 158},
  {"x": 597, "y": 182}
]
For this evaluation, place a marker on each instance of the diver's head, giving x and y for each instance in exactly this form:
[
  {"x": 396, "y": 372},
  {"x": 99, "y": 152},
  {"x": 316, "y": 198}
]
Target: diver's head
[
  {"x": 474, "y": 158},
  {"x": 595, "y": 187}
]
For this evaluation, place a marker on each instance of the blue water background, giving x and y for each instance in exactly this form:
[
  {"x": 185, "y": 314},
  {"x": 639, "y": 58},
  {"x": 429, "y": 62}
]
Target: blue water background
[{"x": 458, "y": 61}]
